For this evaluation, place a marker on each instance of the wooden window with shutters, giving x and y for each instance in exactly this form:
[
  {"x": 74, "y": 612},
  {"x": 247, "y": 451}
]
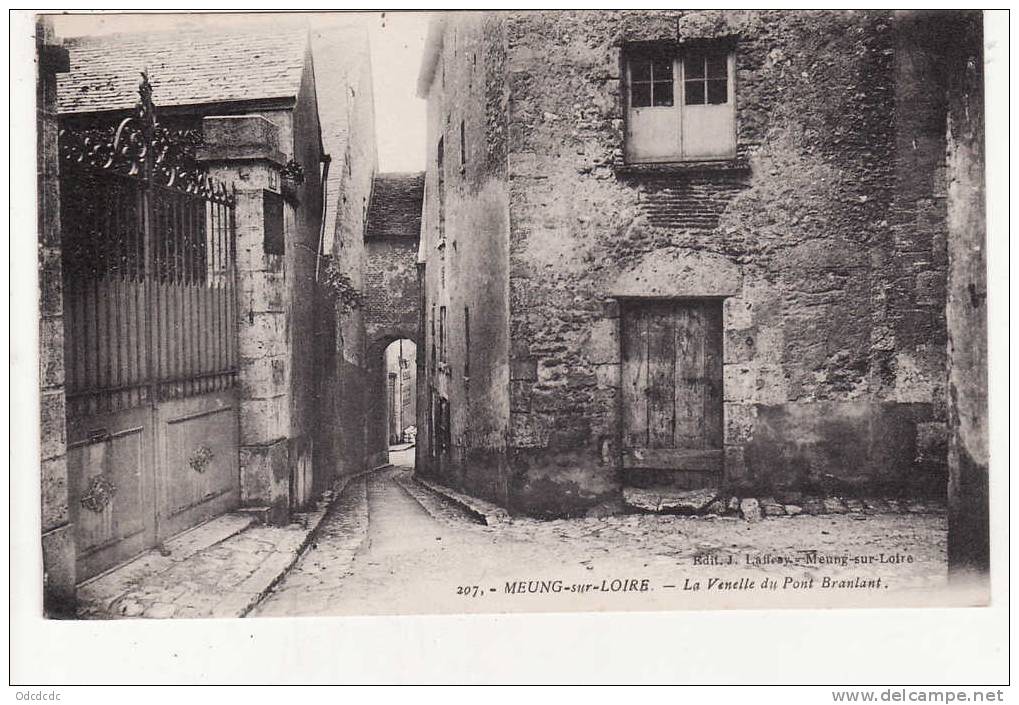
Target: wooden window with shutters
[
  {"x": 680, "y": 104},
  {"x": 440, "y": 163},
  {"x": 433, "y": 358},
  {"x": 467, "y": 343},
  {"x": 442, "y": 334}
]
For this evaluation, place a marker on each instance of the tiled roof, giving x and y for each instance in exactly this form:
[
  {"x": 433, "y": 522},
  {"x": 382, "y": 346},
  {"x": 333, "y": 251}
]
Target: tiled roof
[
  {"x": 395, "y": 208},
  {"x": 185, "y": 67}
]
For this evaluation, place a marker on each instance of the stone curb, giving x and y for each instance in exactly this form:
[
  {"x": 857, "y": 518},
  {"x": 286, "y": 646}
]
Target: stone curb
[
  {"x": 710, "y": 504},
  {"x": 317, "y": 518},
  {"x": 484, "y": 512}
]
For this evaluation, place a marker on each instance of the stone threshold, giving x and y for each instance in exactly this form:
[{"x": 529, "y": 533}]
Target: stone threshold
[
  {"x": 480, "y": 510},
  {"x": 222, "y": 568}
]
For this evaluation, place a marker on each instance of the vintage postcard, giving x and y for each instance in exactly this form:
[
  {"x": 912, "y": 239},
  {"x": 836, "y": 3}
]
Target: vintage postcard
[{"x": 523, "y": 311}]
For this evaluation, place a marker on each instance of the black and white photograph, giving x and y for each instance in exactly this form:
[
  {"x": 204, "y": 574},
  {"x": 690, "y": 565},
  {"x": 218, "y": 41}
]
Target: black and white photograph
[{"x": 514, "y": 311}]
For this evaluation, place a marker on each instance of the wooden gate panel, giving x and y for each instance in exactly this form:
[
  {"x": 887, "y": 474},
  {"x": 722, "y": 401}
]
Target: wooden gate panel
[
  {"x": 197, "y": 464},
  {"x": 110, "y": 483}
]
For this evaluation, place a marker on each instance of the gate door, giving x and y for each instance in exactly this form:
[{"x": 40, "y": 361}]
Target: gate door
[
  {"x": 672, "y": 393},
  {"x": 150, "y": 343}
]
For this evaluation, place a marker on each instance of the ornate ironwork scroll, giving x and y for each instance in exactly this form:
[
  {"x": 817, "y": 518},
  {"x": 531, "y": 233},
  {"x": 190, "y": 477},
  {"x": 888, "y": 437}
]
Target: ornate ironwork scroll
[
  {"x": 200, "y": 458},
  {"x": 149, "y": 255},
  {"x": 99, "y": 494},
  {"x": 140, "y": 147}
]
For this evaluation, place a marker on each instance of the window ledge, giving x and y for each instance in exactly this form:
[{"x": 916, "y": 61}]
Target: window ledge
[{"x": 736, "y": 165}]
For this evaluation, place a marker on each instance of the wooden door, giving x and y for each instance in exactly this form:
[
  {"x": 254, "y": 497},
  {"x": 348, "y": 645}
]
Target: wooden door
[{"x": 672, "y": 391}]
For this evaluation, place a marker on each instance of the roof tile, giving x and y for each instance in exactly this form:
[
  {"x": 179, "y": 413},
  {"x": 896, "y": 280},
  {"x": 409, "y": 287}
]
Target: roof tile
[
  {"x": 185, "y": 67},
  {"x": 395, "y": 208}
]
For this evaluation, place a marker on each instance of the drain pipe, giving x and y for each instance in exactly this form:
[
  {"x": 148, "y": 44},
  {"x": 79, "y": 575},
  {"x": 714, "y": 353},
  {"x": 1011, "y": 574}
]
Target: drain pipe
[{"x": 326, "y": 161}]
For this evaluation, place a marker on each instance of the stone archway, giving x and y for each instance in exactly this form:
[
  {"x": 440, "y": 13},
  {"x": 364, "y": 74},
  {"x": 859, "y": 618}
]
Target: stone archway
[
  {"x": 392, "y": 294},
  {"x": 376, "y": 402}
]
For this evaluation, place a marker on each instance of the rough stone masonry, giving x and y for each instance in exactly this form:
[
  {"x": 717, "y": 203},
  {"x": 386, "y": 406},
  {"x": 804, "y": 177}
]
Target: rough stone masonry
[{"x": 823, "y": 237}]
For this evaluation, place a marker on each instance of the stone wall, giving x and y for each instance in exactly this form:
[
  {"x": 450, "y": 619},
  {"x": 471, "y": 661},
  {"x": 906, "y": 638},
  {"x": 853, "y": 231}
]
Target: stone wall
[
  {"x": 346, "y": 104},
  {"x": 264, "y": 361},
  {"x": 827, "y": 232},
  {"x": 466, "y": 270},
  {"x": 58, "y": 551},
  {"x": 392, "y": 236},
  {"x": 275, "y": 309},
  {"x": 302, "y": 260},
  {"x": 968, "y": 458},
  {"x": 391, "y": 288}
]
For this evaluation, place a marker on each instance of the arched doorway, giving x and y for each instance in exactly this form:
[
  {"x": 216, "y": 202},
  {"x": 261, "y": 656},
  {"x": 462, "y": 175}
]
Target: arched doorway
[
  {"x": 391, "y": 430},
  {"x": 401, "y": 400}
]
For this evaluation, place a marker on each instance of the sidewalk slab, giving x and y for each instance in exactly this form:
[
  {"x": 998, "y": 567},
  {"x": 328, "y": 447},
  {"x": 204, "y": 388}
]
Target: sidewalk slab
[{"x": 219, "y": 569}]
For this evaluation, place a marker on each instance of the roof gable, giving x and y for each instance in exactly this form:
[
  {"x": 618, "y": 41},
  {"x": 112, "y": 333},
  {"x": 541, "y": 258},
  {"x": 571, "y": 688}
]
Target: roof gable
[{"x": 188, "y": 67}]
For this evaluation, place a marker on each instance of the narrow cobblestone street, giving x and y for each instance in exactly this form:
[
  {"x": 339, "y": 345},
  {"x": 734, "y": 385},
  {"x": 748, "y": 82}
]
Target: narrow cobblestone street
[{"x": 391, "y": 546}]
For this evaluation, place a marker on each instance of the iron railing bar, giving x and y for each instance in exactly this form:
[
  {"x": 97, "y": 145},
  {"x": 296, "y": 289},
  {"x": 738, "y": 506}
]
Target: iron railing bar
[
  {"x": 231, "y": 299},
  {"x": 116, "y": 280},
  {"x": 152, "y": 286},
  {"x": 220, "y": 234},
  {"x": 168, "y": 381},
  {"x": 152, "y": 311}
]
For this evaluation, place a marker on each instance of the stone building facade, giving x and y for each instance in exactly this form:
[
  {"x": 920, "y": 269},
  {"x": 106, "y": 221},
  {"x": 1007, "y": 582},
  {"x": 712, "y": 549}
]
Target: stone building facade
[{"x": 683, "y": 248}]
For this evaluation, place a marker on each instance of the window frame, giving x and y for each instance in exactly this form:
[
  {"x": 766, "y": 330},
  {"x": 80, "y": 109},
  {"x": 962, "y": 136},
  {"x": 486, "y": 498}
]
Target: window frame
[
  {"x": 440, "y": 162},
  {"x": 442, "y": 335},
  {"x": 677, "y": 53}
]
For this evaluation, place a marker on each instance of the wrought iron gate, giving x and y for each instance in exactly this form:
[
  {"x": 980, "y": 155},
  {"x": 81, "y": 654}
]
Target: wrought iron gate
[{"x": 150, "y": 337}]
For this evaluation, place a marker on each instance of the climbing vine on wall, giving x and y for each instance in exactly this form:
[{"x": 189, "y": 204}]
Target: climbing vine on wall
[
  {"x": 341, "y": 288},
  {"x": 293, "y": 172}
]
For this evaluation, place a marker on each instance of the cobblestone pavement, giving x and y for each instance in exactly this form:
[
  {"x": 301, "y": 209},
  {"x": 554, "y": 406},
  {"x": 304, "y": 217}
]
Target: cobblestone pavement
[{"x": 392, "y": 546}]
